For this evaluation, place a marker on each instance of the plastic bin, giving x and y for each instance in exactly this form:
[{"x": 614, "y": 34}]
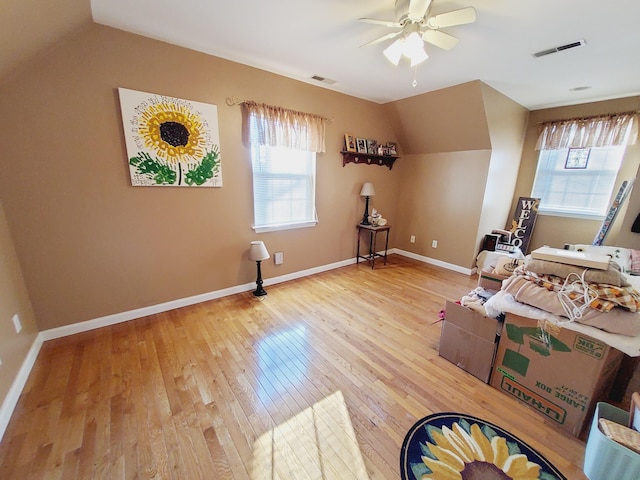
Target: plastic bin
[{"x": 605, "y": 459}]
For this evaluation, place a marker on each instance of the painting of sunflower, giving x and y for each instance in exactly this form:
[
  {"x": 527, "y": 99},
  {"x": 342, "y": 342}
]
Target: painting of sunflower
[
  {"x": 451, "y": 446},
  {"x": 170, "y": 141}
]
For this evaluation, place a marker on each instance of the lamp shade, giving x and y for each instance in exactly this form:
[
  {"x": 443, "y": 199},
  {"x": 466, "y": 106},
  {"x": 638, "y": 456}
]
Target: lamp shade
[
  {"x": 367, "y": 190},
  {"x": 258, "y": 251}
]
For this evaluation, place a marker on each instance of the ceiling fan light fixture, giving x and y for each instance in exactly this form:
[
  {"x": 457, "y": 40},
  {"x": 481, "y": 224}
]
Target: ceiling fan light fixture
[
  {"x": 394, "y": 51},
  {"x": 413, "y": 49},
  {"x": 418, "y": 57}
]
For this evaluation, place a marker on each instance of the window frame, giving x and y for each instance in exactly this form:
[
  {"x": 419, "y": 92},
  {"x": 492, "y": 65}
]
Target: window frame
[
  {"x": 256, "y": 157},
  {"x": 572, "y": 212}
]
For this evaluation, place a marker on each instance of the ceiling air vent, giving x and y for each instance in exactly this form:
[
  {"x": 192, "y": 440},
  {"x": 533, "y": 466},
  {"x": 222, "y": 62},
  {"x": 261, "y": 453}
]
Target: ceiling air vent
[
  {"x": 318, "y": 78},
  {"x": 578, "y": 43}
]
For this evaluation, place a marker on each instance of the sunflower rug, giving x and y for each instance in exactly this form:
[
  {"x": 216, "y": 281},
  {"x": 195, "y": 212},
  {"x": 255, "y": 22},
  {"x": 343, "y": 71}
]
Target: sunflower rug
[{"x": 454, "y": 446}]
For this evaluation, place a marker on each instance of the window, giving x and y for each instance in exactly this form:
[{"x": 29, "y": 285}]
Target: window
[
  {"x": 577, "y": 182},
  {"x": 284, "y": 184},
  {"x": 579, "y": 162},
  {"x": 283, "y": 158}
]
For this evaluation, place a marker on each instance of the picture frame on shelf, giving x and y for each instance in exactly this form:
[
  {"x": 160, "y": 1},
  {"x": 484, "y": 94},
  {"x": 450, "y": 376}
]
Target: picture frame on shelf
[
  {"x": 361, "y": 145},
  {"x": 349, "y": 143},
  {"x": 372, "y": 147},
  {"x": 392, "y": 148}
]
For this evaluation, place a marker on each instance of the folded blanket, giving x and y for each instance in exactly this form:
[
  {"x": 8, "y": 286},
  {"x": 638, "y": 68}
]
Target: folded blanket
[
  {"x": 612, "y": 276},
  {"x": 608, "y": 296},
  {"x": 526, "y": 291}
]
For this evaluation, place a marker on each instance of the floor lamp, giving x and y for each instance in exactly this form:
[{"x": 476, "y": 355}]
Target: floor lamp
[
  {"x": 257, "y": 253},
  {"x": 367, "y": 191}
]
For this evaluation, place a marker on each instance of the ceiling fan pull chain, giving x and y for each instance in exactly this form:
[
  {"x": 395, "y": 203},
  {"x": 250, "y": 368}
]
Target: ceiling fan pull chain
[{"x": 415, "y": 74}]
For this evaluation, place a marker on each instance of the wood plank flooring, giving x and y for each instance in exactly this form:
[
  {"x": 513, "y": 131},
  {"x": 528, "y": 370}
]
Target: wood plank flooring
[{"x": 321, "y": 379}]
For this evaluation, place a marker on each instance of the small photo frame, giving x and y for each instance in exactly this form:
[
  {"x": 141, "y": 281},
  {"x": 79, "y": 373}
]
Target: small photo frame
[
  {"x": 372, "y": 147},
  {"x": 577, "y": 158},
  {"x": 349, "y": 143},
  {"x": 361, "y": 145}
]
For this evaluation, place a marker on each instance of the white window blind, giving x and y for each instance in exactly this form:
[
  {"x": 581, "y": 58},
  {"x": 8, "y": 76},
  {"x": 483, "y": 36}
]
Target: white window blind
[
  {"x": 567, "y": 188},
  {"x": 283, "y": 188}
]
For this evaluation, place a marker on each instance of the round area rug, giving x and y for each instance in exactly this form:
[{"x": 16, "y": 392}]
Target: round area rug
[{"x": 454, "y": 446}]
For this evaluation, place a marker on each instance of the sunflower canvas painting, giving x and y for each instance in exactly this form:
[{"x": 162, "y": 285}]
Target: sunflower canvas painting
[{"x": 170, "y": 141}]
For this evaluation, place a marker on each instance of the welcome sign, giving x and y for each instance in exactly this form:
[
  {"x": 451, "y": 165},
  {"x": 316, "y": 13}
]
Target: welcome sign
[{"x": 523, "y": 222}]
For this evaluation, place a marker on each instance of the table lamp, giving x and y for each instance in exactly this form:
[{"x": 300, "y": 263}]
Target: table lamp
[
  {"x": 257, "y": 253},
  {"x": 367, "y": 191}
]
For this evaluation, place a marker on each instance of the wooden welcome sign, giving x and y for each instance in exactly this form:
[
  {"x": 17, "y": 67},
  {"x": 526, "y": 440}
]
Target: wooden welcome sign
[{"x": 523, "y": 222}]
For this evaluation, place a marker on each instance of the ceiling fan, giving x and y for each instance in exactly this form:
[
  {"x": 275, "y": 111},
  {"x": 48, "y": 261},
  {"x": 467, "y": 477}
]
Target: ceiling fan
[{"x": 416, "y": 26}]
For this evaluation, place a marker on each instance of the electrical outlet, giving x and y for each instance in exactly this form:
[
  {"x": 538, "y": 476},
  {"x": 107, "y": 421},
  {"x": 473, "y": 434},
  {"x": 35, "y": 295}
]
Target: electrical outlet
[
  {"x": 434, "y": 244},
  {"x": 16, "y": 323},
  {"x": 413, "y": 239},
  {"x": 278, "y": 257}
]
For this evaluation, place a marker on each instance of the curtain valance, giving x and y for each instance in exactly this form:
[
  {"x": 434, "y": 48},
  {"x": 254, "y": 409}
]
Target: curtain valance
[
  {"x": 279, "y": 127},
  {"x": 598, "y": 131}
]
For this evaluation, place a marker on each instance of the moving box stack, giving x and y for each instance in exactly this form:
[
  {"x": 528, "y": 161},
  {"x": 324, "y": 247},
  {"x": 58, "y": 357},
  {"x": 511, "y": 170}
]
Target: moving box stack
[{"x": 569, "y": 318}]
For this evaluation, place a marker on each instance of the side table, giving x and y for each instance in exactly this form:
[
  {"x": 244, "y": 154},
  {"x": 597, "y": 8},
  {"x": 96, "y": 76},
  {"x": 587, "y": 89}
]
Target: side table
[{"x": 373, "y": 233}]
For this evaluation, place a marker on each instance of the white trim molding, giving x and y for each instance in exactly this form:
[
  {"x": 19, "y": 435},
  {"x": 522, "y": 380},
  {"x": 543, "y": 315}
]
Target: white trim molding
[
  {"x": 433, "y": 261},
  {"x": 11, "y": 400}
]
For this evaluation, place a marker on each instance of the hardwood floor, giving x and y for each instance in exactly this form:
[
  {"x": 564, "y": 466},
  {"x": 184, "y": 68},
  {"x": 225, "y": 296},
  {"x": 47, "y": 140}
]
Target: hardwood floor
[{"x": 320, "y": 379}]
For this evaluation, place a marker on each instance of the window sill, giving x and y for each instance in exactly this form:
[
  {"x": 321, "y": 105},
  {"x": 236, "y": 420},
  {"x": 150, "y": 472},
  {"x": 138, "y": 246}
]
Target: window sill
[
  {"x": 576, "y": 215},
  {"x": 288, "y": 226}
]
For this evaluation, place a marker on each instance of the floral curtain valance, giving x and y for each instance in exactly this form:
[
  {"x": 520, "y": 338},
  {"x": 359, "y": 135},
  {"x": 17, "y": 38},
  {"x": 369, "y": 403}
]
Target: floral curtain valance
[
  {"x": 279, "y": 127},
  {"x": 599, "y": 131}
]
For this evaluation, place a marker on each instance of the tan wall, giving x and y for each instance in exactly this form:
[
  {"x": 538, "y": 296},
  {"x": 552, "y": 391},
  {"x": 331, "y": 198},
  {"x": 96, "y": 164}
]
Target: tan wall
[
  {"x": 556, "y": 231},
  {"x": 448, "y": 120},
  {"x": 14, "y": 299},
  {"x": 29, "y": 26},
  {"x": 441, "y": 199},
  {"x": 625, "y": 237},
  {"x": 91, "y": 245},
  {"x": 464, "y": 146},
  {"x": 507, "y": 121}
]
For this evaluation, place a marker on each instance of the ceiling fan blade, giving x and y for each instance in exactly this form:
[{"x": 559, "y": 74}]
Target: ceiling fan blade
[
  {"x": 418, "y": 9},
  {"x": 451, "y": 19},
  {"x": 440, "y": 39},
  {"x": 388, "y": 36},
  {"x": 385, "y": 23}
]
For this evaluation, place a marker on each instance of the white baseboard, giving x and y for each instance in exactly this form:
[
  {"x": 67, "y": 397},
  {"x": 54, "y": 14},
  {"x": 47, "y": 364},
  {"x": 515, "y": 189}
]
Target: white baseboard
[
  {"x": 433, "y": 261},
  {"x": 11, "y": 400}
]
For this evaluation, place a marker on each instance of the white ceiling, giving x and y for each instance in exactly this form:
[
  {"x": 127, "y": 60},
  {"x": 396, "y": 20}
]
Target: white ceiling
[{"x": 302, "y": 38}]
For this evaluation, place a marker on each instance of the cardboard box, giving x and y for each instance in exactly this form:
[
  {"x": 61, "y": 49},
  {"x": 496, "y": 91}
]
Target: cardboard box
[
  {"x": 489, "y": 280},
  {"x": 558, "y": 372},
  {"x": 468, "y": 339}
]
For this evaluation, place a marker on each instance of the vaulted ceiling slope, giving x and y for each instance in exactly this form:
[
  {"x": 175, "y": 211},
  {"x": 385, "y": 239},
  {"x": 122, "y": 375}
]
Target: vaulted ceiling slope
[
  {"x": 301, "y": 39},
  {"x": 28, "y": 27}
]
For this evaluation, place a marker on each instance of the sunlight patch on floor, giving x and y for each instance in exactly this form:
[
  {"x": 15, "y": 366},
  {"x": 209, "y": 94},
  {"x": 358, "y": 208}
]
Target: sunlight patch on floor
[{"x": 318, "y": 443}]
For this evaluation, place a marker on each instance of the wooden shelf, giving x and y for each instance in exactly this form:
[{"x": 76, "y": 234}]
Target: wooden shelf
[{"x": 367, "y": 159}]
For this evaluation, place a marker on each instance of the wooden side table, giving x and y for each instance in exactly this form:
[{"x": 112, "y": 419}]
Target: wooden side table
[{"x": 373, "y": 233}]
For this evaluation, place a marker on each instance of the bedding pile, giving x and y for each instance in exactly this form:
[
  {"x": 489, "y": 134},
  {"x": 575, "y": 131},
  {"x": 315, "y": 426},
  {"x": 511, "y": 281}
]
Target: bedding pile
[{"x": 602, "y": 299}]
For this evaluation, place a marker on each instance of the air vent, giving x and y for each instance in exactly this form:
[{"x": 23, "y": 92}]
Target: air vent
[
  {"x": 578, "y": 43},
  {"x": 318, "y": 78}
]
